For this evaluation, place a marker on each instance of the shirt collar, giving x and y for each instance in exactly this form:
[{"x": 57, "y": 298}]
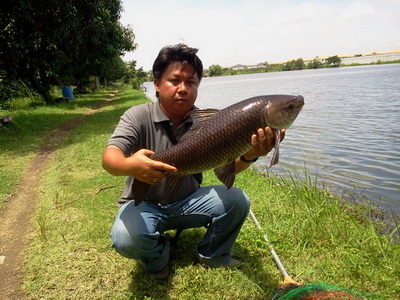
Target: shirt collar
[{"x": 159, "y": 116}]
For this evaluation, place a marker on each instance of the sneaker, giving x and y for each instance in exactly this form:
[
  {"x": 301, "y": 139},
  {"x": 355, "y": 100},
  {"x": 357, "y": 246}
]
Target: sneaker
[
  {"x": 233, "y": 264},
  {"x": 160, "y": 275}
]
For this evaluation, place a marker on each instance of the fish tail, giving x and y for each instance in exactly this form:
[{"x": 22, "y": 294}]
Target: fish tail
[
  {"x": 139, "y": 191},
  {"x": 174, "y": 183}
]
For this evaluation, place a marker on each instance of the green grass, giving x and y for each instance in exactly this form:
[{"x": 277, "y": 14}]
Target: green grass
[
  {"x": 22, "y": 138},
  {"x": 318, "y": 237}
]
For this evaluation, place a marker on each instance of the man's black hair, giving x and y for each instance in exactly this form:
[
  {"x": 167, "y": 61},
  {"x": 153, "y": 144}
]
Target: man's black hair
[{"x": 177, "y": 53}]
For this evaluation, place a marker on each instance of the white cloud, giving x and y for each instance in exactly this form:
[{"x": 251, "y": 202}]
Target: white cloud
[
  {"x": 358, "y": 10},
  {"x": 247, "y": 32}
]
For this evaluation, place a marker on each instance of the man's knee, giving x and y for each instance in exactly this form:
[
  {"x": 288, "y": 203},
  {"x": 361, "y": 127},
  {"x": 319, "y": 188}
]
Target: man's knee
[
  {"x": 235, "y": 201},
  {"x": 122, "y": 242},
  {"x": 239, "y": 199},
  {"x": 132, "y": 246}
]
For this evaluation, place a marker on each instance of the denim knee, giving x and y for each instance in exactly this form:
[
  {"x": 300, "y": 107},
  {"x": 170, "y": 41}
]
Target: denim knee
[
  {"x": 133, "y": 243},
  {"x": 239, "y": 201},
  {"x": 122, "y": 242}
]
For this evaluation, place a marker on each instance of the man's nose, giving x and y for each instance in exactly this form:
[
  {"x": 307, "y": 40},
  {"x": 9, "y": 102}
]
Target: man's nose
[{"x": 182, "y": 87}]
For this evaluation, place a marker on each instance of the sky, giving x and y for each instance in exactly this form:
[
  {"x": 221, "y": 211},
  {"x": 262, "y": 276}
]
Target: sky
[{"x": 257, "y": 31}]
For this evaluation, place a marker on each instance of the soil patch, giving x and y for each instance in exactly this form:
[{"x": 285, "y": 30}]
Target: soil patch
[{"x": 16, "y": 216}]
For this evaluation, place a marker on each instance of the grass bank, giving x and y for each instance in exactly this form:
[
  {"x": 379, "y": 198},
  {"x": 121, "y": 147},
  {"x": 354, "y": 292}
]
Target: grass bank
[{"x": 318, "y": 237}]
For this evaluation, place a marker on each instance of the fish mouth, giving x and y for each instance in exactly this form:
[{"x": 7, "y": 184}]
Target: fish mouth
[
  {"x": 300, "y": 100},
  {"x": 282, "y": 112}
]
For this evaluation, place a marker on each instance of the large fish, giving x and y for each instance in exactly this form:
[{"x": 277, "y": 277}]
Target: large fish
[{"x": 218, "y": 137}]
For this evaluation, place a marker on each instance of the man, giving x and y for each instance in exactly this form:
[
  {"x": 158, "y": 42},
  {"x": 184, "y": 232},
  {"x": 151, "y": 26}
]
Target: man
[{"x": 153, "y": 127}]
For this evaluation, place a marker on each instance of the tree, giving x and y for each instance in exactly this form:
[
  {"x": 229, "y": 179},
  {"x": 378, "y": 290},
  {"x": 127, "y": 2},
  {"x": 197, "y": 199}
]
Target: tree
[
  {"x": 56, "y": 42},
  {"x": 134, "y": 76},
  {"x": 299, "y": 65},
  {"x": 314, "y": 64},
  {"x": 112, "y": 69},
  {"x": 102, "y": 35},
  {"x": 294, "y": 65},
  {"x": 334, "y": 61},
  {"x": 215, "y": 70}
]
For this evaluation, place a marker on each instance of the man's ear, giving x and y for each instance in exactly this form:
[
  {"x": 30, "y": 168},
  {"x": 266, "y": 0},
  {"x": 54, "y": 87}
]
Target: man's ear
[{"x": 156, "y": 84}]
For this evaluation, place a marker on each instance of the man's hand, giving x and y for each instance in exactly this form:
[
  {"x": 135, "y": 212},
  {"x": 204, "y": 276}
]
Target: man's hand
[
  {"x": 262, "y": 143},
  {"x": 139, "y": 165},
  {"x": 147, "y": 170}
]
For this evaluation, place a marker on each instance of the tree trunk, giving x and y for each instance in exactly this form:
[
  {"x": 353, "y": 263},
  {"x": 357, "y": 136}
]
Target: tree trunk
[
  {"x": 42, "y": 89},
  {"x": 80, "y": 85},
  {"x": 96, "y": 83}
]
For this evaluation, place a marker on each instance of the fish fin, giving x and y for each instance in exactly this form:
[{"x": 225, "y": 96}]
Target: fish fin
[
  {"x": 139, "y": 191},
  {"x": 199, "y": 116},
  {"x": 226, "y": 174},
  {"x": 174, "y": 183},
  {"x": 275, "y": 156}
]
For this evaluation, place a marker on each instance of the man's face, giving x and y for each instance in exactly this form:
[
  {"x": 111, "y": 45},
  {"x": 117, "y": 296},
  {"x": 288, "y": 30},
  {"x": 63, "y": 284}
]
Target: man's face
[{"x": 177, "y": 89}]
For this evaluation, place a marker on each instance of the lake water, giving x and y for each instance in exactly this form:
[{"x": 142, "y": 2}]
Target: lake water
[{"x": 348, "y": 133}]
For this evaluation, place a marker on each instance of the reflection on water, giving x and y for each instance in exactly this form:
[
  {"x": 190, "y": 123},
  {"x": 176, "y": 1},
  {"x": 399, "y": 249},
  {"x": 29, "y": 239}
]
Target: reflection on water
[{"x": 348, "y": 132}]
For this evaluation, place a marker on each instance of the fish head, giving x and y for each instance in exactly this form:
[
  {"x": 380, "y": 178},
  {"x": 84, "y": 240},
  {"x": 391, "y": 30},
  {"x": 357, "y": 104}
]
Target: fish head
[{"x": 281, "y": 110}]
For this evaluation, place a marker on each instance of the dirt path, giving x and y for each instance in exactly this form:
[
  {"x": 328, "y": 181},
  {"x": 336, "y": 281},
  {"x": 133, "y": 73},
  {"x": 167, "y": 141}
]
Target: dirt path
[{"x": 16, "y": 216}]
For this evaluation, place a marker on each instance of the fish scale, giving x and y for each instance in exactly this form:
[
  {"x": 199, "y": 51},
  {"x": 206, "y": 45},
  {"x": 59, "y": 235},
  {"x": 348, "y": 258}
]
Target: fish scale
[
  {"x": 218, "y": 133},
  {"x": 215, "y": 142}
]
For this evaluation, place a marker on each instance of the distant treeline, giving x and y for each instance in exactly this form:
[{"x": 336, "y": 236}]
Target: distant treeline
[{"x": 295, "y": 64}]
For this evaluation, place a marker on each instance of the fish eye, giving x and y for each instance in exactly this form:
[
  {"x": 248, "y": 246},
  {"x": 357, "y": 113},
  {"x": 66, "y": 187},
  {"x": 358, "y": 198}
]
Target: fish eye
[{"x": 291, "y": 106}]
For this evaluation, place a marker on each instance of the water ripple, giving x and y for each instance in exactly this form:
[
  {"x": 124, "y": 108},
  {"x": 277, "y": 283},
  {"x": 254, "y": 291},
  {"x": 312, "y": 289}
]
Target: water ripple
[{"x": 348, "y": 133}]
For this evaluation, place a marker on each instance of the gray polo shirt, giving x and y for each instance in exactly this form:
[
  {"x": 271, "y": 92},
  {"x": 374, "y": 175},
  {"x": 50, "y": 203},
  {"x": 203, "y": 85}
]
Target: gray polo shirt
[{"x": 140, "y": 128}]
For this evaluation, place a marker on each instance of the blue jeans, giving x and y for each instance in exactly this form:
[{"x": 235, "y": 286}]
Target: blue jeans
[{"x": 137, "y": 231}]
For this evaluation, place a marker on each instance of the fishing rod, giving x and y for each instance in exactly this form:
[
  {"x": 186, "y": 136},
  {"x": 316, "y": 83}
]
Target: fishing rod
[
  {"x": 291, "y": 289},
  {"x": 287, "y": 280}
]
